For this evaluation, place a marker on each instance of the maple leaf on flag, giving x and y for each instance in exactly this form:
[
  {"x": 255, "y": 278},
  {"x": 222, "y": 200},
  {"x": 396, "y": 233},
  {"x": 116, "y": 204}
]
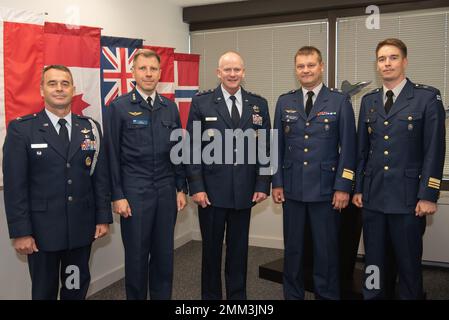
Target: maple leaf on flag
[{"x": 78, "y": 104}]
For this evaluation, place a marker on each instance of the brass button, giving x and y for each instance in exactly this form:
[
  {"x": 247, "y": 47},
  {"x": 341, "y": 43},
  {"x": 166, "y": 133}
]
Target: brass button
[
  {"x": 326, "y": 120},
  {"x": 306, "y": 137},
  {"x": 410, "y": 118},
  {"x": 386, "y": 153},
  {"x": 70, "y": 198},
  {"x": 306, "y": 150},
  {"x": 386, "y": 123},
  {"x": 386, "y": 137},
  {"x": 307, "y": 124},
  {"x": 69, "y": 181},
  {"x": 306, "y": 163},
  {"x": 333, "y": 168},
  {"x": 68, "y": 165},
  {"x": 386, "y": 168}
]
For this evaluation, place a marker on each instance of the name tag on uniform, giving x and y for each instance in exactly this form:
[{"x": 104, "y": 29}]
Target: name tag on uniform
[
  {"x": 140, "y": 122},
  {"x": 211, "y": 119},
  {"x": 39, "y": 146}
]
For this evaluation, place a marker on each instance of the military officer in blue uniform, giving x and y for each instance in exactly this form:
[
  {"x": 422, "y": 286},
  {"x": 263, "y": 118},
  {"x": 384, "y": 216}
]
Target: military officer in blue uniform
[
  {"x": 224, "y": 190},
  {"x": 401, "y": 149},
  {"x": 316, "y": 141},
  {"x": 57, "y": 195},
  {"x": 147, "y": 188}
]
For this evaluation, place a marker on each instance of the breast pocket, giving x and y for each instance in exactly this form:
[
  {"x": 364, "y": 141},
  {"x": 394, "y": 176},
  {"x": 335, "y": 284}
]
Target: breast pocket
[
  {"x": 370, "y": 121},
  {"x": 411, "y": 124},
  {"x": 327, "y": 126},
  {"x": 289, "y": 121},
  {"x": 138, "y": 131}
]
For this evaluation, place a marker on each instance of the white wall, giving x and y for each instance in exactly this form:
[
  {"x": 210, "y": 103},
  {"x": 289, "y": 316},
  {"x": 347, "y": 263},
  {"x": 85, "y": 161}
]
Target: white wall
[{"x": 158, "y": 23}]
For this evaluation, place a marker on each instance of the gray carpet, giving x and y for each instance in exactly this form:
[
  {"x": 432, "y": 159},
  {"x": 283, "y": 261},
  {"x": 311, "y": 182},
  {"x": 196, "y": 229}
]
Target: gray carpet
[{"x": 187, "y": 277}]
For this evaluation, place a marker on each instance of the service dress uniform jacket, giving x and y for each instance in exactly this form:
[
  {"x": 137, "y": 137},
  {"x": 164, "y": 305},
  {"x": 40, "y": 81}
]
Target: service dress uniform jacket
[
  {"x": 228, "y": 185},
  {"x": 51, "y": 195}
]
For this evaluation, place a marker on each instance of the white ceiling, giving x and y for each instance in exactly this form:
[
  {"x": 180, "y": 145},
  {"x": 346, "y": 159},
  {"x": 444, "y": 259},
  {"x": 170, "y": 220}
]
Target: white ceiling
[{"x": 191, "y": 3}]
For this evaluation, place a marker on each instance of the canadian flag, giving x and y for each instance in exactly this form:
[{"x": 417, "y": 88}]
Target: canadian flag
[{"x": 78, "y": 48}]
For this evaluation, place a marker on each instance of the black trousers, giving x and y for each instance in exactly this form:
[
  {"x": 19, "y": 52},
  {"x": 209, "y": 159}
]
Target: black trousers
[
  {"x": 72, "y": 266},
  {"x": 213, "y": 222}
]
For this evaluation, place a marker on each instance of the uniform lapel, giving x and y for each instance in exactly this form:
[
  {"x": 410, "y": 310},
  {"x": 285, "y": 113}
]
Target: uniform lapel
[
  {"x": 378, "y": 104},
  {"x": 50, "y": 135},
  {"x": 299, "y": 100},
  {"x": 158, "y": 102},
  {"x": 402, "y": 100},
  {"x": 247, "y": 109},
  {"x": 221, "y": 107},
  {"x": 76, "y": 137}
]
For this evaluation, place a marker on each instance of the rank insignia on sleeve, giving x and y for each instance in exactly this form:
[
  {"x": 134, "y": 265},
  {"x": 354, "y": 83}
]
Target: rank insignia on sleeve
[
  {"x": 434, "y": 183},
  {"x": 348, "y": 174}
]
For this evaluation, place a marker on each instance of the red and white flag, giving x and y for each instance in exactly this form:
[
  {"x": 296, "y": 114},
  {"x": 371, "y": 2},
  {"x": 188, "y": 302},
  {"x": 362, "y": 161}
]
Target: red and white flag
[
  {"x": 166, "y": 85},
  {"x": 186, "y": 82},
  {"x": 78, "y": 48},
  {"x": 21, "y": 63}
]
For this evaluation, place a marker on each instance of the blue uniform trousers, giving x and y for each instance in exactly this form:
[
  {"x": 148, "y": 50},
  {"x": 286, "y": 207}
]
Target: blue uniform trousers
[
  {"x": 213, "y": 222},
  {"x": 46, "y": 268},
  {"x": 148, "y": 239},
  {"x": 325, "y": 225},
  {"x": 405, "y": 232}
]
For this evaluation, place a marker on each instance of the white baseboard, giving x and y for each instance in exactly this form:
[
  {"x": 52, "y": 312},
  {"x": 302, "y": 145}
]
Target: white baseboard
[
  {"x": 183, "y": 239},
  {"x": 266, "y": 242},
  {"x": 106, "y": 280},
  {"x": 118, "y": 273}
]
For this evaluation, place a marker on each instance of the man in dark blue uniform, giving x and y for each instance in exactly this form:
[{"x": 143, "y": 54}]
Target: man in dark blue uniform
[
  {"x": 226, "y": 188},
  {"x": 147, "y": 189},
  {"x": 56, "y": 190},
  {"x": 317, "y": 139},
  {"x": 401, "y": 149}
]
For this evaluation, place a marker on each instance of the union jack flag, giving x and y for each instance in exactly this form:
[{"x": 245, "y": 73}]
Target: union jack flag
[{"x": 116, "y": 63}]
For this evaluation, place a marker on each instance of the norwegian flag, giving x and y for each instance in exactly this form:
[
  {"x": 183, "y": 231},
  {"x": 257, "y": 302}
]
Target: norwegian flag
[
  {"x": 186, "y": 82},
  {"x": 116, "y": 62}
]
